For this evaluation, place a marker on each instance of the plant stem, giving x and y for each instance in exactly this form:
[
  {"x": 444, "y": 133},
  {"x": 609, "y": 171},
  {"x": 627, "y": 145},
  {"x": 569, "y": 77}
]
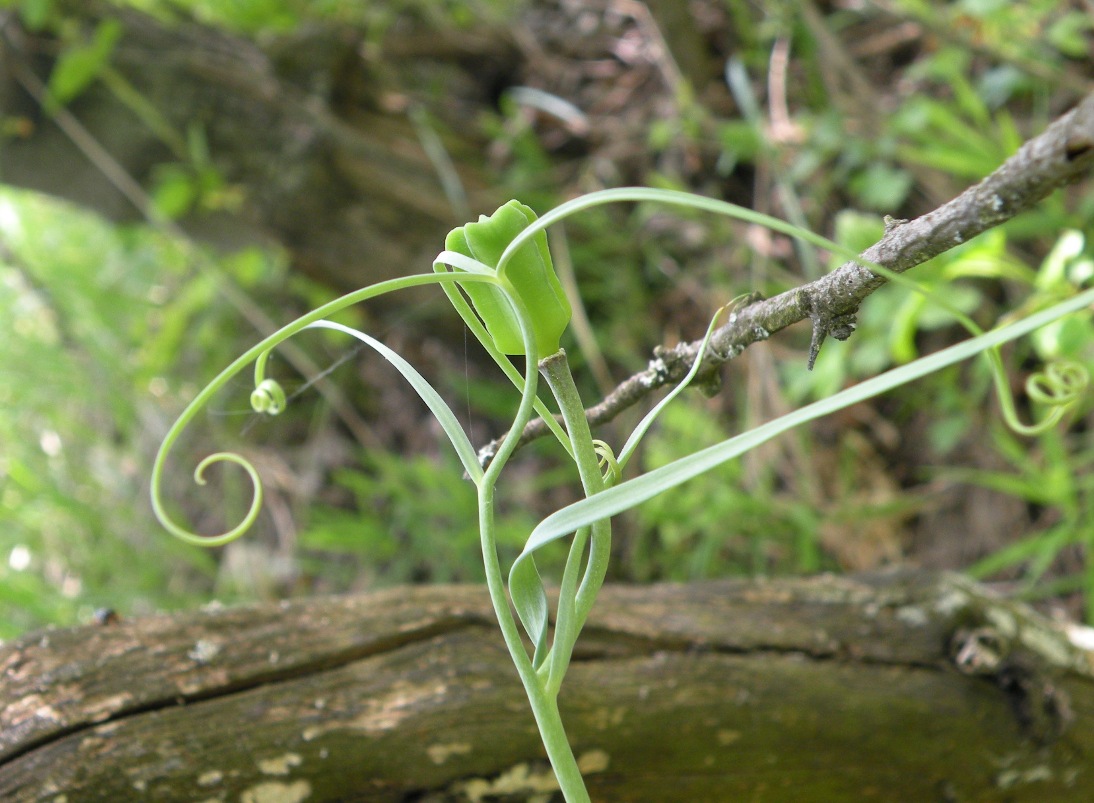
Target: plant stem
[
  {"x": 573, "y": 610},
  {"x": 544, "y": 704},
  {"x": 553, "y": 734}
]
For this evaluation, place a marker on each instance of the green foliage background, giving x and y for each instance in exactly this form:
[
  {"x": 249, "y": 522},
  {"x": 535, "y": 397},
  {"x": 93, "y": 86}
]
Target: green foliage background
[{"x": 107, "y": 330}]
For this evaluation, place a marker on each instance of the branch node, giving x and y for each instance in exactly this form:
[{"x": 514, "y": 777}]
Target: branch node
[
  {"x": 892, "y": 222},
  {"x": 486, "y": 454},
  {"x": 820, "y": 332},
  {"x": 839, "y": 325},
  {"x": 657, "y": 372}
]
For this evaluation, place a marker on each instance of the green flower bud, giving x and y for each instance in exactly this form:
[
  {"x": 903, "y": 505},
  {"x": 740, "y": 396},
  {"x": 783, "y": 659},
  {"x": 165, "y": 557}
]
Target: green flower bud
[{"x": 530, "y": 271}]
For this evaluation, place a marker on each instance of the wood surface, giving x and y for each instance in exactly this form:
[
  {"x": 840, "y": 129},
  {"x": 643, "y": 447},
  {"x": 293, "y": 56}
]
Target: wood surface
[{"x": 902, "y": 686}]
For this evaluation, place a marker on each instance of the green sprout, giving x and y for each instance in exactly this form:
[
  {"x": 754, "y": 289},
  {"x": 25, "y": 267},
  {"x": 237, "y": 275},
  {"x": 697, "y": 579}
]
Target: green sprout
[{"x": 498, "y": 275}]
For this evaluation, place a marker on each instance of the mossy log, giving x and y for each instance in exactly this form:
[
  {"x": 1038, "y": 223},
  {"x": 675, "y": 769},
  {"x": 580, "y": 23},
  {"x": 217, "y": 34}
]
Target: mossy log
[{"x": 903, "y": 686}]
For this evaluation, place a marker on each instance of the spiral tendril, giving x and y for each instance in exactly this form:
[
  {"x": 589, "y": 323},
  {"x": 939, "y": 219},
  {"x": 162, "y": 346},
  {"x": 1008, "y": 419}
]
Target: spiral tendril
[
  {"x": 268, "y": 397},
  {"x": 1061, "y": 383},
  {"x": 609, "y": 465},
  {"x": 1059, "y": 387}
]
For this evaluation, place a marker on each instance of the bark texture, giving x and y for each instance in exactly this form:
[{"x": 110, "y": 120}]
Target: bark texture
[{"x": 890, "y": 687}]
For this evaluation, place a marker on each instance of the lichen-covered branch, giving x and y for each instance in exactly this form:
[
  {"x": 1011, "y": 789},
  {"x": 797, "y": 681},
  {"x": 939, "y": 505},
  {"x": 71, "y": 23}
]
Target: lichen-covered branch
[{"x": 1061, "y": 155}]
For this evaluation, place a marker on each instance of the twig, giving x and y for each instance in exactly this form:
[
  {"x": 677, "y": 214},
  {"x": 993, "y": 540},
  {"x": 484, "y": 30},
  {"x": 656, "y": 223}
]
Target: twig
[{"x": 1061, "y": 155}]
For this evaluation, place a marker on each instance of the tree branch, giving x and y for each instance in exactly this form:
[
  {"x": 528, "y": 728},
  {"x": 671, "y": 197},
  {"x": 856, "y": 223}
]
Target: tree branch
[{"x": 1061, "y": 155}]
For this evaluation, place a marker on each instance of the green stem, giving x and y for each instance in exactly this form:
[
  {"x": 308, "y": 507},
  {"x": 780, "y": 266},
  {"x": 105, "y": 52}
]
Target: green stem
[
  {"x": 573, "y": 610},
  {"x": 553, "y": 734},
  {"x": 566, "y": 620},
  {"x": 543, "y": 703}
]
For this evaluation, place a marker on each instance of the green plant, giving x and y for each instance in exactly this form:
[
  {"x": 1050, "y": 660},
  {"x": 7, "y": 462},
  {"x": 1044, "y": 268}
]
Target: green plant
[{"x": 513, "y": 305}]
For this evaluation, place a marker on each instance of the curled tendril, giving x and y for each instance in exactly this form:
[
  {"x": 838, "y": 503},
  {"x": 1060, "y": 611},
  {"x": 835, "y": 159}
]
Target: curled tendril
[
  {"x": 1061, "y": 383},
  {"x": 199, "y": 478},
  {"x": 256, "y": 498},
  {"x": 609, "y": 466},
  {"x": 1059, "y": 387},
  {"x": 268, "y": 397}
]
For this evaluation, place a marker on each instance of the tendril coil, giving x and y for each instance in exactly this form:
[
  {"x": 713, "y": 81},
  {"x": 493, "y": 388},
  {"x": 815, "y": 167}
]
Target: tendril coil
[
  {"x": 1059, "y": 387},
  {"x": 609, "y": 465},
  {"x": 267, "y": 398},
  {"x": 1061, "y": 383}
]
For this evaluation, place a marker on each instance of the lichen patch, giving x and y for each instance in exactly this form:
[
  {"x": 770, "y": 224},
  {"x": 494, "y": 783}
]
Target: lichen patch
[
  {"x": 385, "y": 713},
  {"x": 912, "y": 616},
  {"x": 210, "y": 778},
  {"x": 727, "y": 737},
  {"x": 281, "y": 765},
  {"x": 593, "y": 761},
  {"x": 277, "y": 792},
  {"x": 440, "y": 753},
  {"x": 520, "y": 780},
  {"x": 609, "y": 718}
]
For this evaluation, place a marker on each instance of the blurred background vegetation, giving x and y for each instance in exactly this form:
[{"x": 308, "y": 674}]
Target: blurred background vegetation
[{"x": 180, "y": 177}]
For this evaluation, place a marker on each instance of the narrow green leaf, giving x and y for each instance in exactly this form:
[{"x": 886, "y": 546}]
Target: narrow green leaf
[
  {"x": 259, "y": 353},
  {"x": 530, "y": 600},
  {"x": 440, "y": 409},
  {"x": 636, "y": 491},
  {"x": 647, "y": 420}
]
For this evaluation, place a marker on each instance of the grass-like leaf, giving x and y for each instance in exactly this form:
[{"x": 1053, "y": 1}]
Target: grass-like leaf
[
  {"x": 440, "y": 409},
  {"x": 636, "y": 491}
]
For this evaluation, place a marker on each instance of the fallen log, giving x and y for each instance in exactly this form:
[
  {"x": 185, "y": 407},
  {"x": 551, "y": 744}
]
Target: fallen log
[{"x": 902, "y": 686}]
